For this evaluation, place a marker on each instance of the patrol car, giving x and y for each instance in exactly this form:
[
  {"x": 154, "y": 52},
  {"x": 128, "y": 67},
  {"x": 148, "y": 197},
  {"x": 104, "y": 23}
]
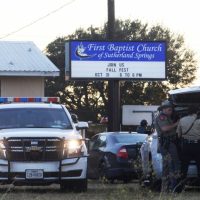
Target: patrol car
[
  {"x": 151, "y": 158},
  {"x": 39, "y": 144}
]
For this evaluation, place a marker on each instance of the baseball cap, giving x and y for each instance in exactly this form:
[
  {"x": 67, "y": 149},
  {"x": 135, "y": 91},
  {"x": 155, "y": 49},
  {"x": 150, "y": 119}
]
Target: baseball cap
[{"x": 166, "y": 104}]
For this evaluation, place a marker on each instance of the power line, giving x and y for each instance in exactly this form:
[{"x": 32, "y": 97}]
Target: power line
[{"x": 37, "y": 20}]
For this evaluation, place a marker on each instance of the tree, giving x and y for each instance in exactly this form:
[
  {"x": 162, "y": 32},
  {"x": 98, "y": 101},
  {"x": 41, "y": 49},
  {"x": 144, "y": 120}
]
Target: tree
[{"x": 89, "y": 98}]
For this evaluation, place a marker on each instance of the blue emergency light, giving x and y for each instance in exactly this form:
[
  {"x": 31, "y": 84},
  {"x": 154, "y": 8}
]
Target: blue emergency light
[{"x": 29, "y": 99}]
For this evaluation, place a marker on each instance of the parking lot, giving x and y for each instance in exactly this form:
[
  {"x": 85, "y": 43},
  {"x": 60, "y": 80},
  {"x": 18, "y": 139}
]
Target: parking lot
[{"x": 96, "y": 191}]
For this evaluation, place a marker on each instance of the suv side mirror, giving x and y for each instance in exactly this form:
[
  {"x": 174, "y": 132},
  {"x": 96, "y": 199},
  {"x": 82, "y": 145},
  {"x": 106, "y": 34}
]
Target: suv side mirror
[{"x": 82, "y": 125}]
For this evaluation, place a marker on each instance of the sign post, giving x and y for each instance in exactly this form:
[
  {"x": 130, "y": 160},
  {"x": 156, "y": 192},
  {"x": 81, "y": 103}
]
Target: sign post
[{"x": 113, "y": 85}]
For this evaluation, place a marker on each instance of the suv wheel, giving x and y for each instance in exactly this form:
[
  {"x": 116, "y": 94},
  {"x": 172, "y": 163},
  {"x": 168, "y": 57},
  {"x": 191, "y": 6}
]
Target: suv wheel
[{"x": 79, "y": 185}]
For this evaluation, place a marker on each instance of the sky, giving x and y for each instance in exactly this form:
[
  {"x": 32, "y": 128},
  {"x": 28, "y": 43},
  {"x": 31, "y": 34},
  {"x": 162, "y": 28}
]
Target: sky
[{"x": 42, "y": 21}]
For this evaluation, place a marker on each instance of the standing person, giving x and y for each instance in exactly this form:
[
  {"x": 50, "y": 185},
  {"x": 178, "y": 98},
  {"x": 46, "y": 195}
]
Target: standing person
[
  {"x": 166, "y": 130},
  {"x": 189, "y": 131},
  {"x": 143, "y": 127}
]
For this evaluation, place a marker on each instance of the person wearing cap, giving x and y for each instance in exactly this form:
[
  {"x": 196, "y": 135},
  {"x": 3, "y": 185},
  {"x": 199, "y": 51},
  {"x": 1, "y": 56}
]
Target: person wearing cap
[
  {"x": 166, "y": 130},
  {"x": 189, "y": 131},
  {"x": 143, "y": 127}
]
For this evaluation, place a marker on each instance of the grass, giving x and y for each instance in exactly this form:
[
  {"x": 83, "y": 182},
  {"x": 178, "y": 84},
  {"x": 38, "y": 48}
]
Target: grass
[{"x": 96, "y": 191}]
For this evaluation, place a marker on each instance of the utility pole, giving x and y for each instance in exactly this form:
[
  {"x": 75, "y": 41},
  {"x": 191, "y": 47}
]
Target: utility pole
[{"x": 113, "y": 85}]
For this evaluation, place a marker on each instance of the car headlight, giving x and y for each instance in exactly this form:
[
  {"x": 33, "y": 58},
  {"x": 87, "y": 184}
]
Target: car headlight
[
  {"x": 73, "y": 148},
  {"x": 2, "y": 150}
]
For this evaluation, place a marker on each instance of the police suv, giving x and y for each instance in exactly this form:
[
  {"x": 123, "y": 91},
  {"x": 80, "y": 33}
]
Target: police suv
[
  {"x": 151, "y": 158},
  {"x": 39, "y": 144}
]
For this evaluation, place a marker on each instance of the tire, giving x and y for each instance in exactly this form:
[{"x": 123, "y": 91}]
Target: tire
[
  {"x": 127, "y": 180},
  {"x": 79, "y": 185},
  {"x": 112, "y": 181},
  {"x": 155, "y": 184},
  {"x": 102, "y": 171},
  {"x": 151, "y": 181}
]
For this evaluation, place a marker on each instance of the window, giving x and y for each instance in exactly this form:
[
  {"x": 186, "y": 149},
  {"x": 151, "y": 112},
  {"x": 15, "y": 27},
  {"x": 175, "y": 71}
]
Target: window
[
  {"x": 93, "y": 143},
  {"x": 130, "y": 138},
  {"x": 102, "y": 141},
  {"x": 97, "y": 142},
  {"x": 34, "y": 118}
]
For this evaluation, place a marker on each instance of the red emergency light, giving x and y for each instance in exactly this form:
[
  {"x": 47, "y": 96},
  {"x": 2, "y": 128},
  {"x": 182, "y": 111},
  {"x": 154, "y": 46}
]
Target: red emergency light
[{"x": 29, "y": 99}]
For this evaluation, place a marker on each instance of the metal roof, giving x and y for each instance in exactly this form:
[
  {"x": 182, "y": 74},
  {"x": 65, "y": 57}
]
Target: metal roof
[{"x": 24, "y": 59}]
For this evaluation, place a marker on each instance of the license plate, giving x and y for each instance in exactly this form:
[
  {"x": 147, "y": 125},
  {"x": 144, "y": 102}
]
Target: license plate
[{"x": 34, "y": 174}]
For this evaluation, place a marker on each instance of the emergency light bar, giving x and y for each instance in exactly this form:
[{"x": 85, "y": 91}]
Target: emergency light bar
[{"x": 29, "y": 99}]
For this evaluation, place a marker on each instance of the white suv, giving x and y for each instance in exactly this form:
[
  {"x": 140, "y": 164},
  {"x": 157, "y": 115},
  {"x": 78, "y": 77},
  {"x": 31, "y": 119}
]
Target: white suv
[{"x": 39, "y": 144}]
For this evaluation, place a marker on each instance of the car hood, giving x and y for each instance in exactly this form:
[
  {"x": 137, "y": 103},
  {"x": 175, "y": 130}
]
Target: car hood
[{"x": 39, "y": 132}]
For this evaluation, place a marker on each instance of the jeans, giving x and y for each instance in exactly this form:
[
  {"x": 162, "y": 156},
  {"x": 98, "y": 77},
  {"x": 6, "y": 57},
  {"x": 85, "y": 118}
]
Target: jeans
[{"x": 171, "y": 167}]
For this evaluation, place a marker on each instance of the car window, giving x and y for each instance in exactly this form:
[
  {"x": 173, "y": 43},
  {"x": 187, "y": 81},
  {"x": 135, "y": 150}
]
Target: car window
[
  {"x": 102, "y": 141},
  {"x": 93, "y": 143},
  {"x": 34, "y": 118},
  {"x": 130, "y": 138},
  {"x": 97, "y": 142}
]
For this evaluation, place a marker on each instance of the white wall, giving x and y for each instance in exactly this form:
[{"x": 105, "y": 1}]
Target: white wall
[{"x": 22, "y": 86}]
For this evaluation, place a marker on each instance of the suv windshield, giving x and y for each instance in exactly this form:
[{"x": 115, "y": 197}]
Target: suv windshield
[{"x": 34, "y": 118}]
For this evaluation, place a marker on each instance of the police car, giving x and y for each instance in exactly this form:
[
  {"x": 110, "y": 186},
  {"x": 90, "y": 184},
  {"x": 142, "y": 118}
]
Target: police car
[
  {"x": 39, "y": 144},
  {"x": 151, "y": 158}
]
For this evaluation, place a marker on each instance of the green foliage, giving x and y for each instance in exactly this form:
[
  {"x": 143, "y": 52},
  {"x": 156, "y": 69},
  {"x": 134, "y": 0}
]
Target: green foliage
[{"x": 88, "y": 99}]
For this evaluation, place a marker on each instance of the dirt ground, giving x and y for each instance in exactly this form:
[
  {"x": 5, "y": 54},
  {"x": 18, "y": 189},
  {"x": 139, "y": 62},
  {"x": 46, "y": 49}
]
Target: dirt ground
[{"x": 96, "y": 191}]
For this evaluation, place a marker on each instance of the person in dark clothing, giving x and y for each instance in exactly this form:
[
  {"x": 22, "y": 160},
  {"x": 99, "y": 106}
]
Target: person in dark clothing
[
  {"x": 143, "y": 127},
  {"x": 166, "y": 130},
  {"x": 188, "y": 130}
]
